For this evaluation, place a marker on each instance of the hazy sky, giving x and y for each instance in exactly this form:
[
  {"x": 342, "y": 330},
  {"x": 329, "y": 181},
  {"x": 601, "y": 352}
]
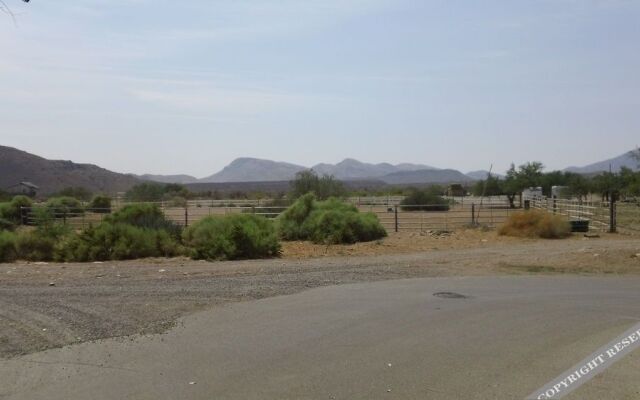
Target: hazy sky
[{"x": 165, "y": 86}]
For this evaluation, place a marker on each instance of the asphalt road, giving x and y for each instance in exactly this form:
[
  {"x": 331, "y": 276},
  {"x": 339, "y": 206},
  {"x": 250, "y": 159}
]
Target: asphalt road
[{"x": 383, "y": 340}]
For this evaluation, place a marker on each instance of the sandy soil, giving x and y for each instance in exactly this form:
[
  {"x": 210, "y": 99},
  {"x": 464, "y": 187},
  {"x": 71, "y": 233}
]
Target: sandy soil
[{"x": 51, "y": 305}]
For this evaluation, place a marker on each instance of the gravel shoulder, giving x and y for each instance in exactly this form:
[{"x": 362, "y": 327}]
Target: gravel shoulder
[{"x": 46, "y": 306}]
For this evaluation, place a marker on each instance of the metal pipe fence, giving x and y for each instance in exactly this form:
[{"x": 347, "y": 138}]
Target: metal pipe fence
[
  {"x": 597, "y": 213},
  {"x": 392, "y": 217}
]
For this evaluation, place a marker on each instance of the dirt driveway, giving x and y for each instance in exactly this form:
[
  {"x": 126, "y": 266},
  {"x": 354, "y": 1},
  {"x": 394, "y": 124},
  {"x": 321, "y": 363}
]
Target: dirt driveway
[{"x": 51, "y": 305}]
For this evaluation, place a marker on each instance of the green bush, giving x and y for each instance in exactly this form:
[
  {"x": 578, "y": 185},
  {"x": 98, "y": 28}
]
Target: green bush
[
  {"x": 145, "y": 215},
  {"x": 63, "y": 207},
  {"x": 100, "y": 204},
  {"x": 6, "y": 225},
  {"x": 291, "y": 221},
  {"x": 7, "y": 246},
  {"x": 11, "y": 210},
  {"x": 429, "y": 199},
  {"x": 117, "y": 241},
  {"x": 232, "y": 237},
  {"x": 35, "y": 246},
  {"x": 329, "y": 222}
]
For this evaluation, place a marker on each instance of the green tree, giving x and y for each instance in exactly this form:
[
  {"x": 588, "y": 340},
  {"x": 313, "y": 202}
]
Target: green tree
[
  {"x": 323, "y": 187},
  {"x": 101, "y": 204},
  {"x": 492, "y": 186},
  {"x": 527, "y": 175}
]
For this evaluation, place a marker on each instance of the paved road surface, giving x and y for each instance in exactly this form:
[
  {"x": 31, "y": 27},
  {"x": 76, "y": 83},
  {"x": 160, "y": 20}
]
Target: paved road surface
[{"x": 384, "y": 340}]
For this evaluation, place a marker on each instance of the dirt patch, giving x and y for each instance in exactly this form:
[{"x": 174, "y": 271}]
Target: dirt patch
[{"x": 111, "y": 299}]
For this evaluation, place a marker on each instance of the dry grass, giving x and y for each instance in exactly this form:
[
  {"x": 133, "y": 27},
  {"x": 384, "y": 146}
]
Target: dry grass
[{"x": 534, "y": 224}]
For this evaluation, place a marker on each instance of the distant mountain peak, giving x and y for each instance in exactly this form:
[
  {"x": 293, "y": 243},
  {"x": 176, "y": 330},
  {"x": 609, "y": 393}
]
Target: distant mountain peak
[
  {"x": 615, "y": 164},
  {"x": 247, "y": 169}
]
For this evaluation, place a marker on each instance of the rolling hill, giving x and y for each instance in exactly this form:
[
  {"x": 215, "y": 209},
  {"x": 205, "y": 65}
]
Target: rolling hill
[
  {"x": 54, "y": 175},
  {"x": 254, "y": 170},
  {"x": 426, "y": 176},
  {"x": 350, "y": 169},
  {"x": 182, "y": 179}
]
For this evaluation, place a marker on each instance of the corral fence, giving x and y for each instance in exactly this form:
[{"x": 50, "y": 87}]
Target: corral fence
[
  {"x": 601, "y": 216},
  {"x": 458, "y": 213}
]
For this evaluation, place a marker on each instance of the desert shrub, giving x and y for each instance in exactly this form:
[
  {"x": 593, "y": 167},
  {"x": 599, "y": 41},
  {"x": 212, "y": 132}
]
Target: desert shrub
[
  {"x": 35, "y": 246},
  {"x": 534, "y": 223},
  {"x": 11, "y": 210},
  {"x": 428, "y": 199},
  {"x": 145, "y": 215},
  {"x": 6, "y": 225},
  {"x": 291, "y": 221},
  {"x": 65, "y": 206},
  {"x": 117, "y": 241},
  {"x": 100, "y": 204},
  {"x": 77, "y": 192},
  {"x": 329, "y": 222},
  {"x": 7, "y": 246},
  {"x": 232, "y": 237}
]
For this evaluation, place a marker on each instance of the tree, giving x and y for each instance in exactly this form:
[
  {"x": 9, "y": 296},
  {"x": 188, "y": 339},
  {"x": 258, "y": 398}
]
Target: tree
[
  {"x": 578, "y": 185},
  {"x": 492, "y": 186},
  {"x": 527, "y": 175},
  {"x": 101, "y": 204},
  {"x": 323, "y": 187}
]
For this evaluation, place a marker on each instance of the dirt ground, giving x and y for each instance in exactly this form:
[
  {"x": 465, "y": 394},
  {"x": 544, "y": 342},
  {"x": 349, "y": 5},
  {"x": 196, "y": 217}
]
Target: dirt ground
[{"x": 51, "y": 305}]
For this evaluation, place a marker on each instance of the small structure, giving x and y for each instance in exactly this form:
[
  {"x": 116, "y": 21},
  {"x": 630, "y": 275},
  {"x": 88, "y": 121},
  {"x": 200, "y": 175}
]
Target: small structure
[
  {"x": 25, "y": 188},
  {"x": 456, "y": 190},
  {"x": 532, "y": 193}
]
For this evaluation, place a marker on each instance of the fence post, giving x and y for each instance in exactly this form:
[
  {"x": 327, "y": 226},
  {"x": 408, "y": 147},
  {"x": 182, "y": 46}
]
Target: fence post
[
  {"x": 396, "y": 217},
  {"x": 612, "y": 215},
  {"x": 555, "y": 204},
  {"x": 24, "y": 214},
  {"x": 473, "y": 214},
  {"x": 186, "y": 215}
]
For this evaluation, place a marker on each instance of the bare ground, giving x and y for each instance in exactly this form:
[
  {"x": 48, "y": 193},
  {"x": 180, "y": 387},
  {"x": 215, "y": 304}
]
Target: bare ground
[{"x": 51, "y": 305}]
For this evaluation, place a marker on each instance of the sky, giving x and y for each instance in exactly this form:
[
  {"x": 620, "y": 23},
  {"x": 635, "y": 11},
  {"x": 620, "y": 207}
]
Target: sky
[{"x": 168, "y": 87}]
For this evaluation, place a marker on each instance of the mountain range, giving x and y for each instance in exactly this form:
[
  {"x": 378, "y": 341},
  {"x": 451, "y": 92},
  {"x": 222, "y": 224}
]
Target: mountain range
[
  {"x": 257, "y": 170},
  {"x": 628, "y": 160},
  {"x": 54, "y": 175}
]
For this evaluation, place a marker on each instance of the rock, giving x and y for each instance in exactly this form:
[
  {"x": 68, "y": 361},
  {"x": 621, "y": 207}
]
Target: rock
[
  {"x": 192, "y": 383},
  {"x": 162, "y": 270},
  {"x": 52, "y": 283}
]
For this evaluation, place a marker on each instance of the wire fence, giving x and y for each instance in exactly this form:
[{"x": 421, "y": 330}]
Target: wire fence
[{"x": 394, "y": 217}]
